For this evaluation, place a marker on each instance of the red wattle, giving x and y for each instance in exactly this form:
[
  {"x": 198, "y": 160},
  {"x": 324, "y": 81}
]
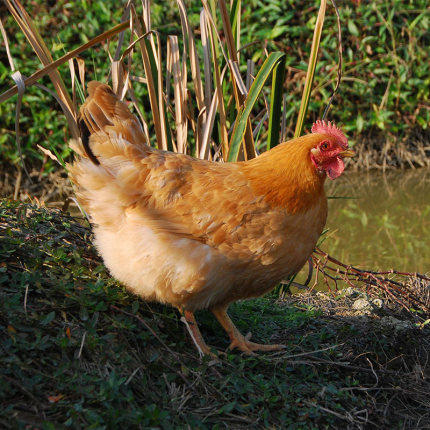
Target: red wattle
[{"x": 334, "y": 168}]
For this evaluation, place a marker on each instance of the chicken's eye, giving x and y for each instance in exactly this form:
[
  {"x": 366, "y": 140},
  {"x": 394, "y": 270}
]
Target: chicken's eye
[{"x": 324, "y": 145}]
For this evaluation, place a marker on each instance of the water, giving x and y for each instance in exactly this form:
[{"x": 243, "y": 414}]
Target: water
[{"x": 386, "y": 225}]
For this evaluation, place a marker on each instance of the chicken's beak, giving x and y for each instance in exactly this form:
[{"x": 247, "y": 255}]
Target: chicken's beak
[{"x": 347, "y": 153}]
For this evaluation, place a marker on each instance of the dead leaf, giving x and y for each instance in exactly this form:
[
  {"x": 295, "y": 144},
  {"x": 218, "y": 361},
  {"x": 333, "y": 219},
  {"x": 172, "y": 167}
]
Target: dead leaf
[
  {"x": 49, "y": 154},
  {"x": 55, "y": 399}
]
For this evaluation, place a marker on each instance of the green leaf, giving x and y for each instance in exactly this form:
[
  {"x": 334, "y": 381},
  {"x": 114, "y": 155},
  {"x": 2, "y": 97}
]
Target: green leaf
[
  {"x": 353, "y": 28},
  {"x": 48, "y": 318},
  {"x": 235, "y": 17},
  {"x": 135, "y": 307},
  {"x": 359, "y": 123},
  {"x": 239, "y": 129}
]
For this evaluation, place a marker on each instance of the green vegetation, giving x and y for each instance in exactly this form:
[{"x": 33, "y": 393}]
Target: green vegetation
[
  {"x": 78, "y": 351},
  {"x": 386, "y": 75},
  {"x": 383, "y": 99}
]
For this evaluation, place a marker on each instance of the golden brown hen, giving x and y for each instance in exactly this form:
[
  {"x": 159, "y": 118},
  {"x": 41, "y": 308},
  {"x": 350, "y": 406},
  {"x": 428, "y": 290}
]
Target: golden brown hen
[{"x": 197, "y": 234}]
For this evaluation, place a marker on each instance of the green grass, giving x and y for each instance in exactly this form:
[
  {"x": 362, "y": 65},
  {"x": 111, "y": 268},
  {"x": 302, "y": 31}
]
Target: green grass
[
  {"x": 76, "y": 351},
  {"x": 386, "y": 76},
  {"x": 384, "y": 94}
]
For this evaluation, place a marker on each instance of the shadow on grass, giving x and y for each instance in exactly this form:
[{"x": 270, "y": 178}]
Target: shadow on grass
[{"x": 75, "y": 352}]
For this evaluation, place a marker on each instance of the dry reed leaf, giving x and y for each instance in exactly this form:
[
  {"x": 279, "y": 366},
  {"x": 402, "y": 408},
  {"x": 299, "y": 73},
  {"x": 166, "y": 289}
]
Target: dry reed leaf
[
  {"x": 194, "y": 60},
  {"x": 72, "y": 76},
  {"x": 47, "y": 69},
  {"x": 161, "y": 105},
  {"x": 124, "y": 18},
  {"x": 206, "y": 59},
  {"x": 31, "y": 33},
  {"x": 146, "y": 5},
  {"x": 195, "y": 73},
  {"x": 119, "y": 72},
  {"x": 153, "y": 99},
  {"x": 238, "y": 79},
  {"x": 207, "y": 131},
  {"x": 231, "y": 49},
  {"x": 249, "y": 146},
  {"x": 139, "y": 79},
  {"x": 81, "y": 69},
  {"x": 19, "y": 80},
  {"x": 132, "y": 95},
  {"x": 49, "y": 154},
  {"x": 214, "y": 32},
  {"x": 120, "y": 79},
  {"x": 250, "y": 68},
  {"x": 179, "y": 93},
  {"x": 217, "y": 81},
  {"x": 201, "y": 119},
  {"x": 6, "y": 43}
]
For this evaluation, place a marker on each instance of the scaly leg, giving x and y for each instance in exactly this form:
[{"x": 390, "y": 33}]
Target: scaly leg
[
  {"x": 191, "y": 324},
  {"x": 237, "y": 339}
]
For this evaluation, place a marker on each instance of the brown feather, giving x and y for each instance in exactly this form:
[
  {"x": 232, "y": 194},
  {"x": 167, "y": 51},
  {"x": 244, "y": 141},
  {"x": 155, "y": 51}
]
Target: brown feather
[{"x": 190, "y": 232}]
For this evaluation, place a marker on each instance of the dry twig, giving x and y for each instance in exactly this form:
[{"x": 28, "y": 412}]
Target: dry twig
[{"x": 409, "y": 290}]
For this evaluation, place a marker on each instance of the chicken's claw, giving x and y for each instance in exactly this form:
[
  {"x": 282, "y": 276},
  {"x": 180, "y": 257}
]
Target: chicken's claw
[
  {"x": 238, "y": 340},
  {"x": 249, "y": 347}
]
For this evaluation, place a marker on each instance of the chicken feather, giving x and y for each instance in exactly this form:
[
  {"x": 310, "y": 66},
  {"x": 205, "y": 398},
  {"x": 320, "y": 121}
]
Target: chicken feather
[{"x": 188, "y": 232}]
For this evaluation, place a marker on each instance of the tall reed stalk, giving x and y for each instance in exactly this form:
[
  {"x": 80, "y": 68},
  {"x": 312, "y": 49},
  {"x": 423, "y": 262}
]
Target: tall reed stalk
[{"x": 199, "y": 106}]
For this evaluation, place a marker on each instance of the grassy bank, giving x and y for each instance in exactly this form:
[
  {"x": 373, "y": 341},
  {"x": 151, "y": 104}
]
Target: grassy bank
[
  {"x": 383, "y": 102},
  {"x": 78, "y": 351}
]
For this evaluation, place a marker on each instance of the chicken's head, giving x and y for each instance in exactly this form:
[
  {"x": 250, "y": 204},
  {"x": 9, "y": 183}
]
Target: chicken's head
[{"x": 327, "y": 156}]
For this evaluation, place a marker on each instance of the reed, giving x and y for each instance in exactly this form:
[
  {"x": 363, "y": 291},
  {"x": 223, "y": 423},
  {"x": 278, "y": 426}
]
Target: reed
[{"x": 198, "y": 106}]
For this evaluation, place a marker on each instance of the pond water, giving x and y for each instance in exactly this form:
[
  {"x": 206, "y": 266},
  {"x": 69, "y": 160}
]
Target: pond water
[{"x": 385, "y": 224}]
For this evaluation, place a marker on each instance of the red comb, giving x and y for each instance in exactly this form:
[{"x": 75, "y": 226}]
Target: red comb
[{"x": 331, "y": 129}]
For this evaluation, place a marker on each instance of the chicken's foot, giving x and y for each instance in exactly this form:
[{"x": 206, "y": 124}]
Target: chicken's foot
[
  {"x": 194, "y": 331},
  {"x": 238, "y": 340}
]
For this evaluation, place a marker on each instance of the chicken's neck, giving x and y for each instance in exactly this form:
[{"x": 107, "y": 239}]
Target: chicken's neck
[{"x": 286, "y": 177}]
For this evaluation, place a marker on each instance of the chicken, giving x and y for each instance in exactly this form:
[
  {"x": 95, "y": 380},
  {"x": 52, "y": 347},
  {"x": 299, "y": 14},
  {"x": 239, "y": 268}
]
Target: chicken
[{"x": 197, "y": 234}]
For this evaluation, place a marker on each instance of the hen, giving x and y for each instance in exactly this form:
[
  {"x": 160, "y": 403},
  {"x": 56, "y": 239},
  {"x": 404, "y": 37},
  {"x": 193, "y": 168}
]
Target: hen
[{"x": 198, "y": 234}]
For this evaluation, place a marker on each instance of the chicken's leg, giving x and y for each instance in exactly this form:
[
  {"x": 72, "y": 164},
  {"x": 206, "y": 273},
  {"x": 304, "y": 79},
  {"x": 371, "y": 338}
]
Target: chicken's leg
[
  {"x": 238, "y": 340},
  {"x": 193, "y": 329}
]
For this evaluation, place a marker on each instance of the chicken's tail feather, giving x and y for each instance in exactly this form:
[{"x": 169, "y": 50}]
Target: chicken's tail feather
[
  {"x": 104, "y": 116},
  {"x": 110, "y": 154},
  {"x": 85, "y": 138}
]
